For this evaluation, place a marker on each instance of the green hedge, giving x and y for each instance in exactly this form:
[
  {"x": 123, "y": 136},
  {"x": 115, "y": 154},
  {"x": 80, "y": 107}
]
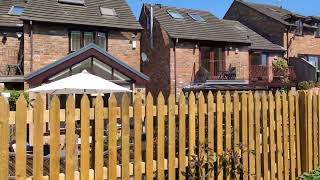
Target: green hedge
[{"x": 14, "y": 96}]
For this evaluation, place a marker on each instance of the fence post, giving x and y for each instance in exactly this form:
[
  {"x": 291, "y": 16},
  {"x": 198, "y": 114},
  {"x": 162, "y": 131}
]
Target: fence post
[{"x": 303, "y": 130}]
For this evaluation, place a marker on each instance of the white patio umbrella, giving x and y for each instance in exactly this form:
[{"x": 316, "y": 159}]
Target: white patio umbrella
[{"x": 81, "y": 83}]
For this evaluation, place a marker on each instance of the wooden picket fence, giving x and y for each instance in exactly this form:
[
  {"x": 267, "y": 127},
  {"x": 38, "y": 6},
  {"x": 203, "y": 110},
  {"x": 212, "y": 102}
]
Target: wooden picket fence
[{"x": 283, "y": 131}]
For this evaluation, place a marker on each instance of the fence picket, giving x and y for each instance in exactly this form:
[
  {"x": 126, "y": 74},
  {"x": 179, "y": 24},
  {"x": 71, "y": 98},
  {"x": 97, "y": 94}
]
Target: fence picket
[
  {"x": 192, "y": 125},
  {"x": 125, "y": 135},
  {"x": 279, "y": 135},
  {"x": 54, "y": 138},
  {"x": 257, "y": 114},
  {"x": 292, "y": 133},
  {"x": 220, "y": 129},
  {"x": 315, "y": 130},
  {"x": 297, "y": 130},
  {"x": 85, "y": 133},
  {"x": 285, "y": 135},
  {"x": 251, "y": 139},
  {"x": 149, "y": 140},
  {"x": 318, "y": 128},
  {"x": 271, "y": 136},
  {"x": 228, "y": 108},
  {"x": 236, "y": 124},
  {"x": 112, "y": 138},
  {"x": 21, "y": 136},
  {"x": 309, "y": 129},
  {"x": 137, "y": 136},
  {"x": 182, "y": 136},
  {"x": 201, "y": 118},
  {"x": 160, "y": 145},
  {"x": 244, "y": 132},
  {"x": 265, "y": 129},
  {"x": 172, "y": 137},
  {"x": 4, "y": 138},
  {"x": 210, "y": 107},
  {"x": 38, "y": 142},
  {"x": 99, "y": 141},
  {"x": 71, "y": 156}
]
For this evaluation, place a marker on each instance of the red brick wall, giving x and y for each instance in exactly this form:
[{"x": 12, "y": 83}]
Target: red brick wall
[
  {"x": 306, "y": 44},
  {"x": 158, "y": 67},
  {"x": 239, "y": 57},
  {"x": 9, "y": 49},
  {"x": 51, "y": 42}
]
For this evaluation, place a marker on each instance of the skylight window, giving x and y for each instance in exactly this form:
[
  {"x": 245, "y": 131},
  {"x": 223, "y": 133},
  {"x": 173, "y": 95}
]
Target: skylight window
[
  {"x": 108, "y": 11},
  {"x": 16, "y": 10},
  {"x": 175, "y": 14},
  {"x": 196, "y": 17},
  {"x": 76, "y": 2}
]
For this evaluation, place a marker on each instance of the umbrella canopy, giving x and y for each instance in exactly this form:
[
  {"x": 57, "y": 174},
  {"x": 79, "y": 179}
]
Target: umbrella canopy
[{"x": 81, "y": 83}]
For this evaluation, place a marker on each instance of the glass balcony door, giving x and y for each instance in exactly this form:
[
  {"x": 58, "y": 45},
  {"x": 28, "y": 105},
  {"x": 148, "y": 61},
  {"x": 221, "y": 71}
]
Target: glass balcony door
[{"x": 212, "y": 60}]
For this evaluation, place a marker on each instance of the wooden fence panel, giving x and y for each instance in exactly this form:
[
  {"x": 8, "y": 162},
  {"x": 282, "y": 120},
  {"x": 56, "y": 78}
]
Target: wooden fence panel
[
  {"x": 257, "y": 115},
  {"x": 54, "y": 139},
  {"x": 265, "y": 153},
  {"x": 125, "y": 135},
  {"x": 21, "y": 136},
  {"x": 4, "y": 139},
  {"x": 85, "y": 134},
  {"x": 99, "y": 141},
  {"x": 291, "y": 135},
  {"x": 38, "y": 139},
  {"x": 71, "y": 156},
  {"x": 228, "y": 108},
  {"x": 160, "y": 137},
  {"x": 192, "y": 125},
  {"x": 210, "y": 107},
  {"x": 172, "y": 138},
  {"x": 315, "y": 129},
  {"x": 236, "y": 124},
  {"x": 137, "y": 137},
  {"x": 309, "y": 130},
  {"x": 244, "y": 132},
  {"x": 182, "y": 135},
  {"x": 285, "y": 135},
  {"x": 112, "y": 138},
  {"x": 278, "y": 136},
  {"x": 149, "y": 140},
  {"x": 272, "y": 136},
  {"x": 251, "y": 135},
  {"x": 220, "y": 129}
]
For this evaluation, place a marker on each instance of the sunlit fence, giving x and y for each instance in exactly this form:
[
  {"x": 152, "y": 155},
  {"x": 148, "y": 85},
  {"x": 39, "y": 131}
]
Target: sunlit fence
[{"x": 161, "y": 138}]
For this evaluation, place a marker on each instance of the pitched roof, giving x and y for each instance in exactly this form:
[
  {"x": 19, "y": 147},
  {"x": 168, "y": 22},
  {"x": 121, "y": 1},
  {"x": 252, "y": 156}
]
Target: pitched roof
[
  {"x": 257, "y": 41},
  {"x": 212, "y": 29},
  {"x": 80, "y": 55},
  {"x": 278, "y": 13},
  {"x": 87, "y": 14},
  {"x": 9, "y": 20}
]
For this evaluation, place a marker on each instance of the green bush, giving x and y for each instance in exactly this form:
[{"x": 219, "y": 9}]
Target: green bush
[
  {"x": 313, "y": 175},
  {"x": 305, "y": 85},
  {"x": 14, "y": 96},
  {"x": 280, "y": 64}
]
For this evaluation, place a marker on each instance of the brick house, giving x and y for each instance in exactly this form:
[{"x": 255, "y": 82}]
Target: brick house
[
  {"x": 187, "y": 49},
  {"x": 44, "y": 33},
  {"x": 299, "y": 35}
]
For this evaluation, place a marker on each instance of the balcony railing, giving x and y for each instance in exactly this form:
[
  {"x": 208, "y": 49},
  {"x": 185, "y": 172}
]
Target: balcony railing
[{"x": 259, "y": 73}]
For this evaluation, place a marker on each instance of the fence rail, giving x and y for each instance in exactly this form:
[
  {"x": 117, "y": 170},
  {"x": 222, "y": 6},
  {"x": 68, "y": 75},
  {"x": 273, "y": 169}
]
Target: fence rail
[{"x": 160, "y": 140}]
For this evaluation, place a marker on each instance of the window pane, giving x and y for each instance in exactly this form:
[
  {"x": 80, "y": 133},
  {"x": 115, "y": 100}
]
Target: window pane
[
  {"x": 175, "y": 15},
  {"x": 205, "y": 58},
  {"x": 314, "y": 61},
  {"x": 255, "y": 59},
  {"x": 16, "y": 10},
  {"x": 264, "y": 59},
  {"x": 119, "y": 76},
  {"x": 75, "y": 40},
  {"x": 102, "y": 40},
  {"x": 218, "y": 54},
  {"x": 196, "y": 17},
  {"x": 88, "y": 38}
]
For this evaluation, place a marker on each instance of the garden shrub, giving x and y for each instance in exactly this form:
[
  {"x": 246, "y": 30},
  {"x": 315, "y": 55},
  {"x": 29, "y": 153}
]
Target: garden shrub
[
  {"x": 305, "y": 85},
  {"x": 313, "y": 175},
  {"x": 280, "y": 64},
  {"x": 14, "y": 96}
]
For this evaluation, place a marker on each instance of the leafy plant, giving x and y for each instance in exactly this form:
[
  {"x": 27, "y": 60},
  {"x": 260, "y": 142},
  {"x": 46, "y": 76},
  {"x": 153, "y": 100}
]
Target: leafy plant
[
  {"x": 280, "y": 64},
  {"x": 305, "y": 85},
  {"x": 14, "y": 96},
  {"x": 313, "y": 175}
]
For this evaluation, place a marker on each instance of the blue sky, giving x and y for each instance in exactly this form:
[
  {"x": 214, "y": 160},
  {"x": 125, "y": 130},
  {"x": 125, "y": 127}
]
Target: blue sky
[{"x": 219, "y": 7}]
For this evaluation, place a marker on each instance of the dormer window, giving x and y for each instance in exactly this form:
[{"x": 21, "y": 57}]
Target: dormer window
[
  {"x": 16, "y": 11},
  {"x": 317, "y": 33},
  {"x": 75, "y": 2},
  {"x": 108, "y": 12},
  {"x": 196, "y": 17},
  {"x": 299, "y": 28},
  {"x": 175, "y": 15}
]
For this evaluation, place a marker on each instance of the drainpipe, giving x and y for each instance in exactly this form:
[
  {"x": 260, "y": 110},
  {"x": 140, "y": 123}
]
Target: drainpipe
[
  {"x": 31, "y": 47},
  {"x": 175, "y": 66},
  {"x": 288, "y": 44}
]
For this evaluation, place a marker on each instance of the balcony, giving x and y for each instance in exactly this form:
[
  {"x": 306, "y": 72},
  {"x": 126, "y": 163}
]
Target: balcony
[{"x": 12, "y": 72}]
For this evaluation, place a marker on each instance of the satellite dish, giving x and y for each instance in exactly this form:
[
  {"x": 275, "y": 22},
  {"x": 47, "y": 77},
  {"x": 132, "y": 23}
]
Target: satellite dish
[{"x": 144, "y": 58}]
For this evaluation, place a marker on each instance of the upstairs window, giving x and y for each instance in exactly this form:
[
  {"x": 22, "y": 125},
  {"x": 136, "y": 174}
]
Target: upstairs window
[
  {"x": 299, "y": 28},
  {"x": 108, "y": 12},
  {"x": 80, "y": 39},
  {"x": 196, "y": 17},
  {"x": 317, "y": 33},
  {"x": 175, "y": 15},
  {"x": 16, "y": 11},
  {"x": 76, "y": 2}
]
